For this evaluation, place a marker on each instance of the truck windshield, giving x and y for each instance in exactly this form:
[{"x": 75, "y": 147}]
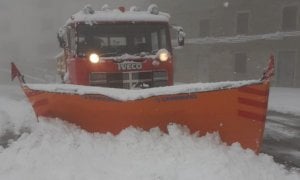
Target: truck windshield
[{"x": 118, "y": 39}]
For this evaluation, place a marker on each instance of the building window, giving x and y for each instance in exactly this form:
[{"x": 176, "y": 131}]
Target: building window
[
  {"x": 6, "y": 25},
  {"x": 240, "y": 63},
  {"x": 242, "y": 23},
  {"x": 45, "y": 48},
  {"x": 44, "y": 4},
  {"x": 285, "y": 71},
  {"x": 12, "y": 48},
  {"x": 204, "y": 26},
  {"x": 289, "y": 18},
  {"x": 3, "y": 6},
  {"x": 46, "y": 24}
]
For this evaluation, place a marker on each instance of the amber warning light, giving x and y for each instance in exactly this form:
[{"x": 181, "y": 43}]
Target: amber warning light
[{"x": 122, "y": 8}]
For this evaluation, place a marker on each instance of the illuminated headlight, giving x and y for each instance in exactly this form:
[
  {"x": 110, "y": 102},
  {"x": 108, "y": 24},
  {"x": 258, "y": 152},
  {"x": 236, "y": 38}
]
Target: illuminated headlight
[
  {"x": 94, "y": 58},
  {"x": 163, "y": 55}
]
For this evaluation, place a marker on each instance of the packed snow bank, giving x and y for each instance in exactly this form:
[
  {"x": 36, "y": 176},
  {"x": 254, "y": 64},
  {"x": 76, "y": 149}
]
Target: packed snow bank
[
  {"x": 53, "y": 149},
  {"x": 124, "y": 94},
  {"x": 285, "y": 100}
]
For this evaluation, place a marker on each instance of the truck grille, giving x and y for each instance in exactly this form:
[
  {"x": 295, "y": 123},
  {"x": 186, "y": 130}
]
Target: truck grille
[{"x": 129, "y": 80}]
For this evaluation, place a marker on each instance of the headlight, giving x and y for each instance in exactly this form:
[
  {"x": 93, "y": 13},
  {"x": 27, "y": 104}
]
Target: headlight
[
  {"x": 163, "y": 55},
  {"x": 94, "y": 58}
]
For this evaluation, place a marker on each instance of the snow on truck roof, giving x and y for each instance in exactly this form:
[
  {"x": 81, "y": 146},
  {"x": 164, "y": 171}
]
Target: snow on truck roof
[{"x": 90, "y": 16}]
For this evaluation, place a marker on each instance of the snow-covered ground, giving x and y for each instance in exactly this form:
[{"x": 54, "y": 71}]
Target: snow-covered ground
[
  {"x": 285, "y": 100},
  {"x": 53, "y": 149}
]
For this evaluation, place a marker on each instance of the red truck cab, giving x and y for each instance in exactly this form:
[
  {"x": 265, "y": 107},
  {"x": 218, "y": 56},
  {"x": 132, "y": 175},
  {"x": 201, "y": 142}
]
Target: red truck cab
[{"x": 117, "y": 48}]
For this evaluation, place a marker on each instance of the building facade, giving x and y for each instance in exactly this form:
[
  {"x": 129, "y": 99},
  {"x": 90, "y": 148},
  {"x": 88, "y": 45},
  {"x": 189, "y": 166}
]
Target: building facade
[
  {"x": 233, "y": 39},
  {"x": 226, "y": 39}
]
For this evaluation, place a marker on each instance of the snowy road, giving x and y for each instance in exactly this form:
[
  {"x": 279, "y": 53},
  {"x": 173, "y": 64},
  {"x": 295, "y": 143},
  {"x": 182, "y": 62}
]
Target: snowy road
[{"x": 282, "y": 138}]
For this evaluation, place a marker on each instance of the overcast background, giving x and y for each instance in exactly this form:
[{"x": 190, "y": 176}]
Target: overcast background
[
  {"x": 226, "y": 39},
  {"x": 28, "y": 31}
]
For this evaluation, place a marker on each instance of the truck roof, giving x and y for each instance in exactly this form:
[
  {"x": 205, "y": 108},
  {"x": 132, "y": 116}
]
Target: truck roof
[{"x": 89, "y": 16}]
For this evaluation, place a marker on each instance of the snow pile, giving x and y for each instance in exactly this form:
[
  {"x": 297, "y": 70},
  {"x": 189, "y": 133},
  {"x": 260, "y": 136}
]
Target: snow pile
[
  {"x": 125, "y": 95},
  {"x": 56, "y": 150},
  {"x": 53, "y": 149},
  {"x": 285, "y": 100}
]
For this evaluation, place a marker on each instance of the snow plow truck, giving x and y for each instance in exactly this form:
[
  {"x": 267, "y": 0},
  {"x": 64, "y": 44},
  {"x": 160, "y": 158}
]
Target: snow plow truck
[{"x": 117, "y": 72}]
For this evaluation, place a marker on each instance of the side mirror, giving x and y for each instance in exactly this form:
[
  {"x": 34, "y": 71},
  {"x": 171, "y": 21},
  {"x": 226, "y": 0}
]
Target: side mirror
[
  {"x": 61, "y": 41},
  {"x": 60, "y": 37},
  {"x": 181, "y": 36}
]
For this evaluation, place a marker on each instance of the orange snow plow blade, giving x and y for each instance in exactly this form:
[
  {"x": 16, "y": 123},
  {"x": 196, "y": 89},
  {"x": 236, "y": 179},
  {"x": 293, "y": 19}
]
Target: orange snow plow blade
[{"x": 238, "y": 113}]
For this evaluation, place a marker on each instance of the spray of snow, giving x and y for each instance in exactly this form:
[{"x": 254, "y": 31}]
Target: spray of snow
[{"x": 56, "y": 150}]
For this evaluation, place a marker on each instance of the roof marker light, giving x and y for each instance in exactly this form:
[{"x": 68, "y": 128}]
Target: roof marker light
[
  {"x": 153, "y": 9},
  {"x": 105, "y": 7},
  {"x": 134, "y": 8},
  {"x": 88, "y": 9},
  {"x": 122, "y": 8}
]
